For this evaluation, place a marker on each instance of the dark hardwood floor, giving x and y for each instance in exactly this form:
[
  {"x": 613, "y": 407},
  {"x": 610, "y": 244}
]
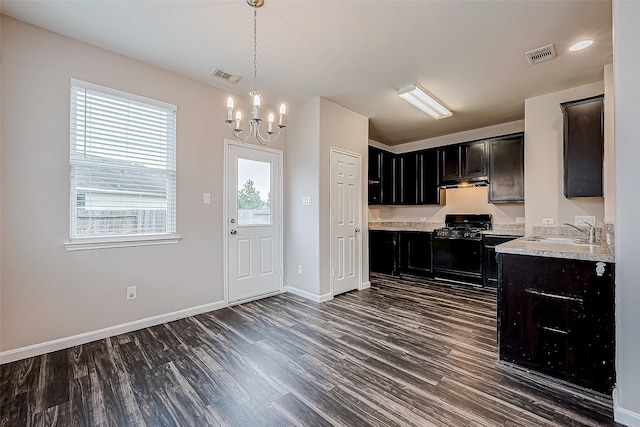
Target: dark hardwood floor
[{"x": 399, "y": 354}]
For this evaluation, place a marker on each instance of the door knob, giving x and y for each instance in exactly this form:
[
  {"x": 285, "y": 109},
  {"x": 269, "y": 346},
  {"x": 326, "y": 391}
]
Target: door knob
[
  {"x": 233, "y": 220},
  {"x": 233, "y": 232},
  {"x": 357, "y": 229}
]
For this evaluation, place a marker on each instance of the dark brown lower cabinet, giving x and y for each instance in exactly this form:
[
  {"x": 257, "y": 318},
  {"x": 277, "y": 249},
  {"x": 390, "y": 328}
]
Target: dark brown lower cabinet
[
  {"x": 489, "y": 260},
  {"x": 400, "y": 252},
  {"x": 556, "y": 316},
  {"x": 383, "y": 257},
  {"x": 415, "y": 253}
]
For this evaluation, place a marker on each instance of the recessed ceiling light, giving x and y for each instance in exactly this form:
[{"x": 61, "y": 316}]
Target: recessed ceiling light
[{"x": 581, "y": 45}]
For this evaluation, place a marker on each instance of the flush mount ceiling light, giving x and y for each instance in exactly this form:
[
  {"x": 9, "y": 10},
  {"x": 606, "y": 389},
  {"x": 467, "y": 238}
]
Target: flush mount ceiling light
[
  {"x": 583, "y": 44},
  {"x": 254, "y": 122},
  {"x": 420, "y": 99}
]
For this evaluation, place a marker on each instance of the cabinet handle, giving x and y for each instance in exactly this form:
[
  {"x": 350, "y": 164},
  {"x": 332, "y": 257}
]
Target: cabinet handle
[
  {"x": 557, "y": 331},
  {"x": 555, "y": 296}
]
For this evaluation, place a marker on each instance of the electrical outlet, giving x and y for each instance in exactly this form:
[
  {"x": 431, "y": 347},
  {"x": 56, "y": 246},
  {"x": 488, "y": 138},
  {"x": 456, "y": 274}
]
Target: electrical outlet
[
  {"x": 548, "y": 221},
  {"x": 423, "y": 219},
  {"x": 131, "y": 293},
  {"x": 520, "y": 220},
  {"x": 206, "y": 198},
  {"x": 585, "y": 219},
  {"x": 299, "y": 269}
]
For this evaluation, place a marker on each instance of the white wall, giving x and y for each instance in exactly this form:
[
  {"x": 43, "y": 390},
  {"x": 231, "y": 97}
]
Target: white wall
[
  {"x": 49, "y": 293},
  {"x": 543, "y": 156},
  {"x": 302, "y": 171},
  {"x": 609, "y": 170},
  {"x": 320, "y": 125},
  {"x": 626, "y": 69}
]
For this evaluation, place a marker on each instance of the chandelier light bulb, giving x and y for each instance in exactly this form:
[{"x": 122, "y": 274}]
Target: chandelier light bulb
[
  {"x": 270, "y": 123},
  {"x": 229, "y": 109}
]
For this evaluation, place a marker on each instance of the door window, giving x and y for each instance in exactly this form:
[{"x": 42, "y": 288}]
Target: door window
[{"x": 254, "y": 192}]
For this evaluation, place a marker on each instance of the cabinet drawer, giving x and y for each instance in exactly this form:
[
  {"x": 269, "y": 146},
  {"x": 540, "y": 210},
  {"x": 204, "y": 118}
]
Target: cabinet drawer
[{"x": 550, "y": 276}]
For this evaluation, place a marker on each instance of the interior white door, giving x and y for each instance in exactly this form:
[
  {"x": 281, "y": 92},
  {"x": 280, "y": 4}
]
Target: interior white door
[
  {"x": 346, "y": 211},
  {"x": 254, "y": 238}
]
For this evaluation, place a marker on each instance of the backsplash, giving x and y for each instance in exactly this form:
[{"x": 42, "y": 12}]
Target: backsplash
[{"x": 458, "y": 201}]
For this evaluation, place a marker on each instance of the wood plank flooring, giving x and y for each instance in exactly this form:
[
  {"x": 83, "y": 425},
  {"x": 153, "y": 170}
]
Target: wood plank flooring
[{"x": 402, "y": 353}]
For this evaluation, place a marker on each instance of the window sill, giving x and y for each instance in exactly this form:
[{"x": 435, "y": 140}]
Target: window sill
[{"x": 121, "y": 242}]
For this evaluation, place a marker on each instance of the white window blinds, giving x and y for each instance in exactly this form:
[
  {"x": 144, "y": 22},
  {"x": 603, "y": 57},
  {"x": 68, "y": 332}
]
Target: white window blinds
[{"x": 123, "y": 163}]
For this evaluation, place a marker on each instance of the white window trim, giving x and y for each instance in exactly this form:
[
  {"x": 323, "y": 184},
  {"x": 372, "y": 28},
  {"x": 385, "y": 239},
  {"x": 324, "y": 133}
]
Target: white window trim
[
  {"x": 109, "y": 242},
  {"x": 87, "y": 243}
]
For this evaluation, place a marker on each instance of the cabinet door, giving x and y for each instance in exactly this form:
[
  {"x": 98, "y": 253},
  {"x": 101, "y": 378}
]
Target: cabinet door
[
  {"x": 415, "y": 253},
  {"x": 389, "y": 178},
  {"x": 583, "y": 147},
  {"x": 383, "y": 256},
  {"x": 428, "y": 174},
  {"x": 506, "y": 170},
  {"x": 375, "y": 176},
  {"x": 474, "y": 158},
  {"x": 490, "y": 263},
  {"x": 451, "y": 163},
  {"x": 407, "y": 185}
]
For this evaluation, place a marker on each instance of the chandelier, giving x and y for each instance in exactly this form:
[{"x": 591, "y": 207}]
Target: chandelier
[{"x": 254, "y": 122}]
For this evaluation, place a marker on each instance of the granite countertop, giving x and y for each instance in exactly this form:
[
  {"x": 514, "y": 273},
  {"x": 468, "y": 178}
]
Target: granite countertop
[
  {"x": 525, "y": 246},
  {"x": 499, "y": 229},
  {"x": 405, "y": 226}
]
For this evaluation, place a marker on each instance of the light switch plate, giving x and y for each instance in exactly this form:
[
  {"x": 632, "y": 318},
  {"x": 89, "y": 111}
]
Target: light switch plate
[
  {"x": 520, "y": 220},
  {"x": 206, "y": 198},
  {"x": 306, "y": 200}
]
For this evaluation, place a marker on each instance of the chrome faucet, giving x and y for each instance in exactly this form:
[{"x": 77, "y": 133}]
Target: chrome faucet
[{"x": 590, "y": 233}]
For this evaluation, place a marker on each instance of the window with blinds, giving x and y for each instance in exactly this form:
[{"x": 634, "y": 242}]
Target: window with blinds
[{"x": 123, "y": 164}]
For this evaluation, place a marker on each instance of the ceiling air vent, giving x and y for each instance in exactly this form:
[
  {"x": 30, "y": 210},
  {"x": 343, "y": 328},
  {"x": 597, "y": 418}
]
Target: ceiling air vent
[
  {"x": 231, "y": 78},
  {"x": 541, "y": 54}
]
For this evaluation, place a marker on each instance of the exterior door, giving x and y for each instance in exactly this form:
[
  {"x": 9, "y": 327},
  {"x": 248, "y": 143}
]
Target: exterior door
[
  {"x": 346, "y": 211},
  {"x": 253, "y": 222}
]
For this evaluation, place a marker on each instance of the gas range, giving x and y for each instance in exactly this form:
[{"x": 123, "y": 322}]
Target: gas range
[
  {"x": 457, "y": 248},
  {"x": 464, "y": 226},
  {"x": 460, "y": 233}
]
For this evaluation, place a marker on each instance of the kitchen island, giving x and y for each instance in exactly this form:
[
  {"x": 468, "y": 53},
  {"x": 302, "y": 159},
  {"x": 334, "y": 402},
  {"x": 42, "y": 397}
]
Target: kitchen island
[{"x": 556, "y": 309}]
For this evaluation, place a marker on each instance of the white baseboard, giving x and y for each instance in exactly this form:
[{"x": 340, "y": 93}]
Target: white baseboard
[
  {"x": 303, "y": 294},
  {"x": 326, "y": 297},
  {"x": 365, "y": 285},
  {"x": 624, "y": 416},
  {"x": 86, "y": 337}
]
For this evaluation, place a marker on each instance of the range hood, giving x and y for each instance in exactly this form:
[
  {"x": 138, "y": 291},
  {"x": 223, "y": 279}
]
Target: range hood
[{"x": 482, "y": 181}]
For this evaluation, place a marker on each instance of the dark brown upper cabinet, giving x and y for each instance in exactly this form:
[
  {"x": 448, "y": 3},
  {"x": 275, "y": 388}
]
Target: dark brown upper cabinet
[
  {"x": 428, "y": 173},
  {"x": 403, "y": 179},
  {"x": 583, "y": 147},
  {"x": 451, "y": 163},
  {"x": 463, "y": 162},
  {"x": 506, "y": 169},
  {"x": 375, "y": 176},
  {"x": 474, "y": 158}
]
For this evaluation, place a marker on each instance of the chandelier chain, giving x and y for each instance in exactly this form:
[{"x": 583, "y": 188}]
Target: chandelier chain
[{"x": 255, "y": 47}]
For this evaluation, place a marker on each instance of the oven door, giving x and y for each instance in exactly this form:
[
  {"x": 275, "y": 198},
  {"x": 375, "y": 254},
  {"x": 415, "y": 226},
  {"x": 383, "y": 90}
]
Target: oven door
[{"x": 458, "y": 259}]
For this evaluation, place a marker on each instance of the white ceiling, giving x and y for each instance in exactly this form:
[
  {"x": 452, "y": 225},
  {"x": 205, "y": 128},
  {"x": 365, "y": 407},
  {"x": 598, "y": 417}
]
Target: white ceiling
[{"x": 470, "y": 54}]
